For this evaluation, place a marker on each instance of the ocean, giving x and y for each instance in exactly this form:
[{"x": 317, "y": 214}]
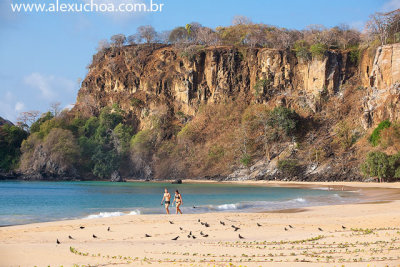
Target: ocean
[{"x": 23, "y": 202}]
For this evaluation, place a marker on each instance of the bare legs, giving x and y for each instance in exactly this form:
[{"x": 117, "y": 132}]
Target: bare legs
[
  {"x": 177, "y": 208},
  {"x": 166, "y": 208}
]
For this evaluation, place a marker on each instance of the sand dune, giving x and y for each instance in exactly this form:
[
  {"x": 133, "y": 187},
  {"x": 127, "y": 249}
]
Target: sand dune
[{"x": 371, "y": 236}]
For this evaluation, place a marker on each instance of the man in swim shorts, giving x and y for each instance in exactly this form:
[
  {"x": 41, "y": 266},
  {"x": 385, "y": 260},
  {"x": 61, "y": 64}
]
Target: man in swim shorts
[{"x": 167, "y": 198}]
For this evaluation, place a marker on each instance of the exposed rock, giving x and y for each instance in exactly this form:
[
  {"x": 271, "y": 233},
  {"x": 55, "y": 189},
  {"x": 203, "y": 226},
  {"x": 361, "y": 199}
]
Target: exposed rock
[
  {"x": 116, "y": 177},
  {"x": 178, "y": 181}
]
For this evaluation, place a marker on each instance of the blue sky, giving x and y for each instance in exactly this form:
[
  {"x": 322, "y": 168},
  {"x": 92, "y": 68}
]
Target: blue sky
[{"x": 42, "y": 56}]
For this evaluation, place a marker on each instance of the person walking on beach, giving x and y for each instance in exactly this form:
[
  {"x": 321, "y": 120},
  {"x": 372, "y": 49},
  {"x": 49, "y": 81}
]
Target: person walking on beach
[
  {"x": 167, "y": 198},
  {"x": 178, "y": 201}
]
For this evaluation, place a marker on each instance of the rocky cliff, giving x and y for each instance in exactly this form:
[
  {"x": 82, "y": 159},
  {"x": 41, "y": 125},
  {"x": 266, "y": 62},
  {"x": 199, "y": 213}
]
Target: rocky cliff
[{"x": 149, "y": 80}]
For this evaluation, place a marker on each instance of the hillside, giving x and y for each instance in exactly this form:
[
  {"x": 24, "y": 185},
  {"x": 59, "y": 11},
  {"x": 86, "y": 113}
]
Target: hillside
[{"x": 206, "y": 114}]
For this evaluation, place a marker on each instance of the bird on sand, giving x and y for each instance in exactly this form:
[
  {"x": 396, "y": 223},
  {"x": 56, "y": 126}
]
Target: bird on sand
[
  {"x": 320, "y": 229},
  {"x": 94, "y": 236},
  {"x": 344, "y": 227},
  {"x": 70, "y": 237},
  {"x": 108, "y": 229},
  {"x": 241, "y": 237},
  {"x": 205, "y": 235},
  {"x": 201, "y": 233},
  {"x": 176, "y": 238},
  {"x": 206, "y": 225},
  {"x": 82, "y": 227},
  {"x": 146, "y": 235},
  {"x": 198, "y": 220},
  {"x": 286, "y": 229},
  {"x": 194, "y": 207},
  {"x": 58, "y": 242},
  {"x": 202, "y": 223},
  {"x": 222, "y": 223},
  {"x": 190, "y": 233},
  {"x": 171, "y": 222},
  {"x": 193, "y": 237},
  {"x": 259, "y": 225},
  {"x": 188, "y": 236},
  {"x": 237, "y": 228},
  {"x": 180, "y": 228},
  {"x": 290, "y": 226}
]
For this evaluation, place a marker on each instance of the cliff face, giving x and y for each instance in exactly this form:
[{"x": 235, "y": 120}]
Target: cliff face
[
  {"x": 381, "y": 75},
  {"x": 211, "y": 75},
  {"x": 154, "y": 80}
]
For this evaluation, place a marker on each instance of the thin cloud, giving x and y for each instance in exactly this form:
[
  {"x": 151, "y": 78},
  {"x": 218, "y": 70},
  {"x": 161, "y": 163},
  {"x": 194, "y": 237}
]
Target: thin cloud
[
  {"x": 49, "y": 85},
  {"x": 19, "y": 106},
  {"x": 391, "y": 5}
]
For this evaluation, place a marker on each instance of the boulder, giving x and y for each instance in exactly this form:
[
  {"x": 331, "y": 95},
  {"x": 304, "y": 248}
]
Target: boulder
[
  {"x": 116, "y": 177},
  {"x": 178, "y": 181}
]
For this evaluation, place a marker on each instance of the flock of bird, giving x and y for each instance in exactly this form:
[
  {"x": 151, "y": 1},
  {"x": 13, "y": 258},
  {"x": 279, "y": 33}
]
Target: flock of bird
[{"x": 205, "y": 224}]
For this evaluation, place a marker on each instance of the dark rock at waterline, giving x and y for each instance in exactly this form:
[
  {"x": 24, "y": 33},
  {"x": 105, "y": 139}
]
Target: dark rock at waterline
[
  {"x": 116, "y": 177},
  {"x": 178, "y": 181}
]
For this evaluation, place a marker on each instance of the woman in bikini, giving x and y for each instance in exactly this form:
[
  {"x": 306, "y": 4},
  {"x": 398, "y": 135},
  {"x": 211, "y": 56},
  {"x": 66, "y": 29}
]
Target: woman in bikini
[
  {"x": 167, "y": 198},
  {"x": 178, "y": 201}
]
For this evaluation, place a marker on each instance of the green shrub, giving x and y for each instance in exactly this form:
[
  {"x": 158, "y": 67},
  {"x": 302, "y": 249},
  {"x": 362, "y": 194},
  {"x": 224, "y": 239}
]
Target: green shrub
[
  {"x": 379, "y": 164},
  {"x": 318, "y": 50},
  {"x": 215, "y": 153},
  {"x": 355, "y": 55},
  {"x": 284, "y": 119},
  {"x": 301, "y": 49},
  {"x": 35, "y": 127},
  {"x": 245, "y": 160},
  {"x": 260, "y": 87},
  {"x": 376, "y": 134},
  {"x": 136, "y": 102},
  {"x": 288, "y": 166}
]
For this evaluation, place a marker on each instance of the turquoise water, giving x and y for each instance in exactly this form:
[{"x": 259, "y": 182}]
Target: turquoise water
[{"x": 26, "y": 202}]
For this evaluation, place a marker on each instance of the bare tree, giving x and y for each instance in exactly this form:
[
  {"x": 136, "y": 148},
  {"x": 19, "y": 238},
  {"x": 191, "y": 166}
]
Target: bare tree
[
  {"x": 103, "y": 44},
  {"x": 163, "y": 37},
  {"x": 55, "y": 108},
  {"x": 241, "y": 20},
  {"x": 207, "y": 36},
  {"x": 147, "y": 33},
  {"x": 26, "y": 118},
  {"x": 118, "y": 40},
  {"x": 378, "y": 26},
  {"x": 178, "y": 35}
]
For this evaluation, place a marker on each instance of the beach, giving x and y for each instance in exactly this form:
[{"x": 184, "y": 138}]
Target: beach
[{"x": 362, "y": 234}]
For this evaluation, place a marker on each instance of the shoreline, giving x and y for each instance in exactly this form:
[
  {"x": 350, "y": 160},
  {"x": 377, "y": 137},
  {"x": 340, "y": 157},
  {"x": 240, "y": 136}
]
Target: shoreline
[
  {"x": 368, "y": 193},
  {"x": 315, "y": 235}
]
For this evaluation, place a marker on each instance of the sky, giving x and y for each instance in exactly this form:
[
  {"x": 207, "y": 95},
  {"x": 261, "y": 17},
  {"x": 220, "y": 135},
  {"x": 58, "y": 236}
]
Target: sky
[{"x": 43, "y": 56}]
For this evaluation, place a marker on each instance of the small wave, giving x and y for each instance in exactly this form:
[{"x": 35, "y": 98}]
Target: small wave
[
  {"x": 301, "y": 200},
  {"x": 111, "y": 214},
  {"x": 227, "y": 207}
]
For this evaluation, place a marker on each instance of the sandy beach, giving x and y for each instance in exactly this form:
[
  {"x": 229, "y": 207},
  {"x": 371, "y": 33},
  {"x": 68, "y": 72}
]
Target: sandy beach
[{"x": 365, "y": 234}]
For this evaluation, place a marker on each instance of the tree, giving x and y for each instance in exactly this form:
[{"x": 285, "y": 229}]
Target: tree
[
  {"x": 103, "y": 44},
  {"x": 241, "y": 20},
  {"x": 118, "y": 40},
  {"x": 11, "y": 138},
  {"x": 284, "y": 120},
  {"x": 35, "y": 127},
  {"x": 147, "y": 33},
  {"x": 378, "y": 164},
  {"x": 206, "y": 36},
  {"x": 378, "y": 26},
  {"x": 178, "y": 35},
  {"x": 132, "y": 39},
  {"x": 55, "y": 108},
  {"x": 26, "y": 118}
]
